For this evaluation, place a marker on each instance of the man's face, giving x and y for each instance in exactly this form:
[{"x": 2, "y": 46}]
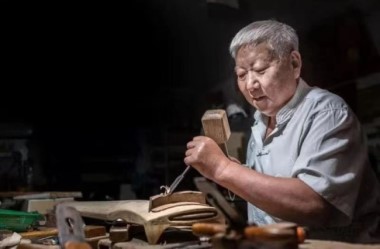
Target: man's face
[{"x": 266, "y": 82}]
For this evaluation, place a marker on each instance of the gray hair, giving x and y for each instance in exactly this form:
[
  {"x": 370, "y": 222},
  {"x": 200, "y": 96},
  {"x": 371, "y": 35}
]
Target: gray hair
[{"x": 281, "y": 38}]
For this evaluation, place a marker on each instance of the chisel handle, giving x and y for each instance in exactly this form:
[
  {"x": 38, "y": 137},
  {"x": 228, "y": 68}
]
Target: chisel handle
[{"x": 208, "y": 229}]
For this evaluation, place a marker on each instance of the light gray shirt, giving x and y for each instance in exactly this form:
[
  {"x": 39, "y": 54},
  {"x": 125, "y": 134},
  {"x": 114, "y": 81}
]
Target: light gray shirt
[{"x": 318, "y": 139}]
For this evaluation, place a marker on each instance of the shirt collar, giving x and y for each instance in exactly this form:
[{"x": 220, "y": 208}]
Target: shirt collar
[{"x": 288, "y": 110}]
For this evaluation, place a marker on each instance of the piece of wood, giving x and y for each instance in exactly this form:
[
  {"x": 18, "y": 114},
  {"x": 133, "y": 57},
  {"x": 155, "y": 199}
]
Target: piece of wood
[
  {"x": 48, "y": 195},
  {"x": 37, "y": 246},
  {"x": 43, "y": 206},
  {"x": 154, "y": 223},
  {"x": 90, "y": 231},
  {"x": 93, "y": 242},
  {"x": 157, "y": 201},
  {"x": 40, "y": 233},
  {"x": 301, "y": 234},
  {"x": 215, "y": 125},
  {"x": 76, "y": 245}
]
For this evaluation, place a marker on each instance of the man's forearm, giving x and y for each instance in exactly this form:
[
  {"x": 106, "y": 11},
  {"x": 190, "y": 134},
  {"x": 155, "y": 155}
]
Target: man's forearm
[{"x": 286, "y": 198}]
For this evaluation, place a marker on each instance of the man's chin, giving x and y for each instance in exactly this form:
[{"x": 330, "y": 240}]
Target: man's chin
[{"x": 266, "y": 112}]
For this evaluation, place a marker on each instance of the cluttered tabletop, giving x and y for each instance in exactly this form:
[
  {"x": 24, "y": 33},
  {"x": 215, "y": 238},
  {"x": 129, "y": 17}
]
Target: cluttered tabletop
[{"x": 184, "y": 219}]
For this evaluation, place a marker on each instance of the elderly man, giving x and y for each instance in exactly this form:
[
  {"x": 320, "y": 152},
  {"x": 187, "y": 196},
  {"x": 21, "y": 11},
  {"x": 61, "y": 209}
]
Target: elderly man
[{"x": 306, "y": 157}]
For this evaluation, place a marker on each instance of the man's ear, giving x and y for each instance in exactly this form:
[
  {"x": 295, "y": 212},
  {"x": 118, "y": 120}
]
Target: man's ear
[{"x": 296, "y": 63}]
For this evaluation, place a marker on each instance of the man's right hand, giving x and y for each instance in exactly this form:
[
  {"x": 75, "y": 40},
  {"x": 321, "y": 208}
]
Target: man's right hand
[{"x": 205, "y": 155}]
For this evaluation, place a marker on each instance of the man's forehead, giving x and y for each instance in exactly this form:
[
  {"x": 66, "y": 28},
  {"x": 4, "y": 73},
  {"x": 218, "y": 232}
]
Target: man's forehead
[{"x": 260, "y": 52}]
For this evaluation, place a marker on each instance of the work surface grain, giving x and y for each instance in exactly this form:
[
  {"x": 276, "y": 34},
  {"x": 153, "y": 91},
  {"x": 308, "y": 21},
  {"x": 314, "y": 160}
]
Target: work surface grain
[
  {"x": 139, "y": 244},
  {"x": 308, "y": 244},
  {"x": 324, "y": 244}
]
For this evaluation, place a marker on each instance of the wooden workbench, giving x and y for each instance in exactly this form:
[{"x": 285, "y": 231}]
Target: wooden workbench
[
  {"x": 308, "y": 244},
  {"x": 324, "y": 244},
  {"x": 139, "y": 244}
]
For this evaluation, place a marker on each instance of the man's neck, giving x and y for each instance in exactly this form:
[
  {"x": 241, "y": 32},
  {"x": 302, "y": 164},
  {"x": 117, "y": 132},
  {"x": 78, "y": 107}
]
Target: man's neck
[{"x": 270, "y": 126}]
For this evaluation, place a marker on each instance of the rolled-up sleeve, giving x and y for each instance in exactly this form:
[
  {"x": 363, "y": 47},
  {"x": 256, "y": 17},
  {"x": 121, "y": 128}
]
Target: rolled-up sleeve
[{"x": 331, "y": 159}]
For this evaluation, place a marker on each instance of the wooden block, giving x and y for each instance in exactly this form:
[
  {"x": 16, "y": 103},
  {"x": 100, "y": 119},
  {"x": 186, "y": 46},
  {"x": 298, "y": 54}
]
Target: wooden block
[
  {"x": 40, "y": 233},
  {"x": 26, "y": 244},
  {"x": 90, "y": 231},
  {"x": 44, "y": 206},
  {"x": 237, "y": 145},
  {"x": 157, "y": 201},
  {"x": 48, "y": 195},
  {"x": 215, "y": 125}
]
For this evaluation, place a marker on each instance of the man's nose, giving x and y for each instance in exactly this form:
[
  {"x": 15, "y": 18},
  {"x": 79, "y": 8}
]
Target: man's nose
[{"x": 252, "y": 81}]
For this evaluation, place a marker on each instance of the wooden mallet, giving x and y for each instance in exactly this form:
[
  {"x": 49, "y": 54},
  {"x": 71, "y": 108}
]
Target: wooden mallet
[{"x": 215, "y": 126}]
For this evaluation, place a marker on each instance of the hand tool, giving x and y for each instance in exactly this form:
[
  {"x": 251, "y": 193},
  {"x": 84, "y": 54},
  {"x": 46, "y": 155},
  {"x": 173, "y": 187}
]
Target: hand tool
[
  {"x": 208, "y": 229},
  {"x": 70, "y": 228},
  {"x": 169, "y": 190},
  {"x": 215, "y": 125}
]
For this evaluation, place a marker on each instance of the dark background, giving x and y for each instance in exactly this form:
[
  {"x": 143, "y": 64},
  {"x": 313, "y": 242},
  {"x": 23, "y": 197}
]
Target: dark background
[{"x": 99, "y": 94}]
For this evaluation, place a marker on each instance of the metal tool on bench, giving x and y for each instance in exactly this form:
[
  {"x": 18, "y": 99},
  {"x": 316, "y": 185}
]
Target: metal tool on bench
[
  {"x": 169, "y": 190},
  {"x": 70, "y": 228}
]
